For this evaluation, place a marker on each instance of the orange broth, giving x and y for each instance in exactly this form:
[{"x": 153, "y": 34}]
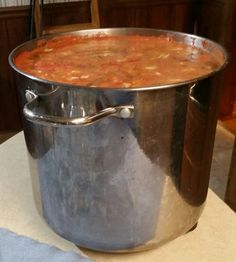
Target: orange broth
[{"x": 116, "y": 61}]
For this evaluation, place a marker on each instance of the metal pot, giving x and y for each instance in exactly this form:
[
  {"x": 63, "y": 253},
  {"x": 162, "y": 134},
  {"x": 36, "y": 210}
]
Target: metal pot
[{"x": 120, "y": 169}]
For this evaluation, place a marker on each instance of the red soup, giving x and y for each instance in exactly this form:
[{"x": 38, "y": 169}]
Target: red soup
[{"x": 116, "y": 61}]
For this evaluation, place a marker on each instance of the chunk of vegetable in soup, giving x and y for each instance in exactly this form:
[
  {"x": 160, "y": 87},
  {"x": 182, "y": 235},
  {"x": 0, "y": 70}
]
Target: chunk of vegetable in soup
[{"x": 116, "y": 61}]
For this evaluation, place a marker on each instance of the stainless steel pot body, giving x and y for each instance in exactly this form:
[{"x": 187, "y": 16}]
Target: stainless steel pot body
[{"x": 120, "y": 170}]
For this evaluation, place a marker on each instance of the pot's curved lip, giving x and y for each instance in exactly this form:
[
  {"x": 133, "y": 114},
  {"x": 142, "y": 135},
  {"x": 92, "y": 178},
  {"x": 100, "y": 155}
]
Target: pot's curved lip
[{"x": 115, "y": 31}]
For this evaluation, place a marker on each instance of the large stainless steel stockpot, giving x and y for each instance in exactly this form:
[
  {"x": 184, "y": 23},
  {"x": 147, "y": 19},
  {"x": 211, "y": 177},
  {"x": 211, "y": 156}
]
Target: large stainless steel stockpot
[{"x": 120, "y": 169}]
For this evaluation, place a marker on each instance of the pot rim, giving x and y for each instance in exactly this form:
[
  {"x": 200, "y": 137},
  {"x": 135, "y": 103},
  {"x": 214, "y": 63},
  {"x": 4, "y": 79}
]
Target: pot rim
[{"x": 124, "y": 31}]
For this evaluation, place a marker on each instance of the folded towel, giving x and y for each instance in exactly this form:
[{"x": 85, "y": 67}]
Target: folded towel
[{"x": 15, "y": 248}]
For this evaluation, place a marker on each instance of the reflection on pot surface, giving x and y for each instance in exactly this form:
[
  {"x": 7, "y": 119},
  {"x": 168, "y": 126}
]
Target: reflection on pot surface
[{"x": 120, "y": 170}]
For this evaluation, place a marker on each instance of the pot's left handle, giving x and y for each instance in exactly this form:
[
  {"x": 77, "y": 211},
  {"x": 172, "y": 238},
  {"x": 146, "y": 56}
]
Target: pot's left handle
[{"x": 123, "y": 111}]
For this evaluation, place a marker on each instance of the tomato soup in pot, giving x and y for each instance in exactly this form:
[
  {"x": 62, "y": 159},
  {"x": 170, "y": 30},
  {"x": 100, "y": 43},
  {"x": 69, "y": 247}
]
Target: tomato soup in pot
[{"x": 123, "y": 61}]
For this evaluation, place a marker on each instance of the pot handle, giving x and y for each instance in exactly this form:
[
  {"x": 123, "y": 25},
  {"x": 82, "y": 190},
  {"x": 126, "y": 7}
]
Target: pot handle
[{"x": 124, "y": 111}]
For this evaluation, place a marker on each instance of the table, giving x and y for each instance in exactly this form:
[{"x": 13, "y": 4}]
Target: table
[{"x": 214, "y": 239}]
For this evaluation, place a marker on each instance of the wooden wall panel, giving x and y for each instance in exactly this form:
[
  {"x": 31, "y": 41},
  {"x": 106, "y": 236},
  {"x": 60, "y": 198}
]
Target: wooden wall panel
[
  {"x": 228, "y": 93},
  {"x": 70, "y": 13},
  {"x": 172, "y": 15},
  {"x": 9, "y": 112},
  {"x": 217, "y": 21},
  {"x": 183, "y": 17},
  {"x": 157, "y": 16}
]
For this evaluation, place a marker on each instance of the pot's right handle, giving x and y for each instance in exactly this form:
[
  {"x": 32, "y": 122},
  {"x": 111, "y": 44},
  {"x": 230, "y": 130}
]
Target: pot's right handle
[{"x": 124, "y": 111}]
